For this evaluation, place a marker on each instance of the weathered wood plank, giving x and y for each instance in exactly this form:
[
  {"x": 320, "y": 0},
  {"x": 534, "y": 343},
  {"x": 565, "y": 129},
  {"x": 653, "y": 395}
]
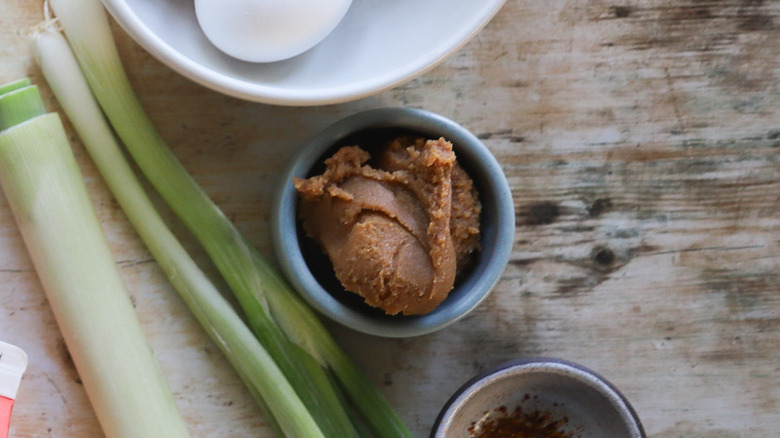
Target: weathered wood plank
[{"x": 641, "y": 139}]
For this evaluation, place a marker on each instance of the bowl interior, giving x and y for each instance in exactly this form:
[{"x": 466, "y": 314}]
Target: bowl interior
[
  {"x": 311, "y": 272},
  {"x": 377, "y": 45},
  {"x": 571, "y": 401}
]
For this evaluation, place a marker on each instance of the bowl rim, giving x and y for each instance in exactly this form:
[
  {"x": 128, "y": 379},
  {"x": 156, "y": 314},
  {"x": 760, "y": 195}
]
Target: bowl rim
[
  {"x": 242, "y": 89},
  {"x": 541, "y": 364},
  {"x": 286, "y": 243}
]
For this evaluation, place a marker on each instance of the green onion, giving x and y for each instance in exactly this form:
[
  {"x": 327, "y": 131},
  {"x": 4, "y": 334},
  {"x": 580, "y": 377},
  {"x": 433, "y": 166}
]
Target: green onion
[
  {"x": 310, "y": 383},
  {"x": 47, "y": 195},
  {"x": 285, "y": 327},
  {"x": 307, "y": 329},
  {"x": 222, "y": 323}
]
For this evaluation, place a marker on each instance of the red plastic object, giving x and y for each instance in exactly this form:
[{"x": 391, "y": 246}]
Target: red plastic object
[{"x": 6, "y": 405}]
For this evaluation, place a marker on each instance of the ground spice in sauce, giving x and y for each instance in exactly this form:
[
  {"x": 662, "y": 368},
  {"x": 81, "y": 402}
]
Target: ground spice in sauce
[{"x": 521, "y": 424}]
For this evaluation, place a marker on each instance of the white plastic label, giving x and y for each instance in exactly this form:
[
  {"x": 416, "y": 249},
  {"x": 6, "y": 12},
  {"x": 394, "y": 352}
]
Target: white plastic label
[{"x": 13, "y": 362}]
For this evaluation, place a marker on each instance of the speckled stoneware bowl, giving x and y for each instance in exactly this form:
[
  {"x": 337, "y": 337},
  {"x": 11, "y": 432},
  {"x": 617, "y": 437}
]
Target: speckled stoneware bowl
[
  {"x": 311, "y": 273},
  {"x": 573, "y": 401}
]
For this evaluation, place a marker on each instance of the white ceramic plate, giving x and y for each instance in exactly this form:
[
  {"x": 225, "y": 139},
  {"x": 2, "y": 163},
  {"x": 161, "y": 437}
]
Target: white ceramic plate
[{"x": 379, "y": 45}]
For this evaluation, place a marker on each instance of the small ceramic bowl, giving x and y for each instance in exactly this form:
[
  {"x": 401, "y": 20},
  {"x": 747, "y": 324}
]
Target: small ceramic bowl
[
  {"x": 570, "y": 400},
  {"x": 311, "y": 273}
]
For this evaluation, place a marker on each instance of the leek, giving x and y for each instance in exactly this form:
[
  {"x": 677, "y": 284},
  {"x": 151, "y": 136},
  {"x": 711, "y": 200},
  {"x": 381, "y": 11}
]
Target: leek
[
  {"x": 309, "y": 382},
  {"x": 277, "y": 316},
  {"x": 225, "y": 327},
  {"x": 15, "y": 85},
  {"x": 47, "y": 195}
]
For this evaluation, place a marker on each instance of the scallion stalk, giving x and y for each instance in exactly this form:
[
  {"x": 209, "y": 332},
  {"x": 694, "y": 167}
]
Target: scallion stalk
[
  {"x": 222, "y": 323},
  {"x": 308, "y": 330},
  {"x": 86, "y": 27},
  {"x": 245, "y": 271},
  {"x": 47, "y": 195}
]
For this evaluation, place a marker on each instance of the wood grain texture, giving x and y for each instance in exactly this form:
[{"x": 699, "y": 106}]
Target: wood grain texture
[{"x": 641, "y": 139}]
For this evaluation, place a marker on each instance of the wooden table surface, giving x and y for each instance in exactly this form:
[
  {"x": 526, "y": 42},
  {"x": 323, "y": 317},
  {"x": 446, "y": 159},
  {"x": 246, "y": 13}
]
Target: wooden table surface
[{"x": 641, "y": 140}]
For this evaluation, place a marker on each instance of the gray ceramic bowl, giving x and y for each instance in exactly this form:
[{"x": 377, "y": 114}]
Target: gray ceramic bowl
[
  {"x": 310, "y": 272},
  {"x": 573, "y": 400}
]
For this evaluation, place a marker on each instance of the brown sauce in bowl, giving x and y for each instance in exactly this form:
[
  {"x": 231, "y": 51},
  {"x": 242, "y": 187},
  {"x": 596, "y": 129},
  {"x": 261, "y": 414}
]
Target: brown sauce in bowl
[
  {"x": 522, "y": 424},
  {"x": 398, "y": 227}
]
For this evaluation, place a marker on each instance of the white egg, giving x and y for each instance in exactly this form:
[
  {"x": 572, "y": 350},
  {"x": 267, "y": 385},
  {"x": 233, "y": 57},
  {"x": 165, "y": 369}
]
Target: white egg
[{"x": 268, "y": 30}]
